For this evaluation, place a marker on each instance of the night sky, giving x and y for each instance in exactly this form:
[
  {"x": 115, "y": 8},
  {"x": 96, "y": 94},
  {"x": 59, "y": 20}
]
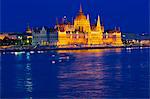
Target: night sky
[{"x": 130, "y": 15}]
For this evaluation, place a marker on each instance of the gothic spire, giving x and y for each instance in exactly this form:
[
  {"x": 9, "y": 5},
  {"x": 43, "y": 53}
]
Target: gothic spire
[
  {"x": 88, "y": 18},
  {"x": 98, "y": 21},
  {"x": 98, "y": 27},
  {"x": 80, "y": 9}
]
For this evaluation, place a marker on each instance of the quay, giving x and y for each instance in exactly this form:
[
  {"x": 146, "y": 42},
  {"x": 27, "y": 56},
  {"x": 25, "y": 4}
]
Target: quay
[{"x": 65, "y": 48}]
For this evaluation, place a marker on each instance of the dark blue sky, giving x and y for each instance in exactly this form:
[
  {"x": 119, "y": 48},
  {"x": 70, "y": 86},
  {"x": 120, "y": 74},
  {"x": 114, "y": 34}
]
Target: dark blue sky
[{"x": 130, "y": 15}]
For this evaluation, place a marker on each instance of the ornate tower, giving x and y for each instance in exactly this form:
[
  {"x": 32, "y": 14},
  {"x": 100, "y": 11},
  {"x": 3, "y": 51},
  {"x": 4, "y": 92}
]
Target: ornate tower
[
  {"x": 88, "y": 24},
  {"x": 96, "y": 36},
  {"x": 98, "y": 26},
  {"x": 28, "y": 29},
  {"x": 81, "y": 23}
]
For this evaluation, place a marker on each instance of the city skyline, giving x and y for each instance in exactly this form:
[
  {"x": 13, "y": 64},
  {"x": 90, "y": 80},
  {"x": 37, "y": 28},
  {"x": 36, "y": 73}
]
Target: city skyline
[{"x": 131, "y": 16}]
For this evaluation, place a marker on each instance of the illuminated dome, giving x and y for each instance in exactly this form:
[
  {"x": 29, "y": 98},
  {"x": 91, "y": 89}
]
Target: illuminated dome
[
  {"x": 81, "y": 22},
  {"x": 81, "y": 15}
]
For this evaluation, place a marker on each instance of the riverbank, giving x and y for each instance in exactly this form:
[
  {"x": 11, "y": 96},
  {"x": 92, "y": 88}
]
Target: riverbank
[{"x": 75, "y": 48}]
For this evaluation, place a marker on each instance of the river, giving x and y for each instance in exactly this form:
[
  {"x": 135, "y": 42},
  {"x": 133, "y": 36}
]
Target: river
[{"x": 104, "y": 73}]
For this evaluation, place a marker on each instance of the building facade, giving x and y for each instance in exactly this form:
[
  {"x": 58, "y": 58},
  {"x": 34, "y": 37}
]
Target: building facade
[
  {"x": 81, "y": 32},
  {"x": 52, "y": 37},
  {"x": 44, "y": 36},
  {"x": 39, "y": 36}
]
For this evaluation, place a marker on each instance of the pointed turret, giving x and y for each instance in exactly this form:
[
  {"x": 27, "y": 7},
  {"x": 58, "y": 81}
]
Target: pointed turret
[
  {"x": 88, "y": 18},
  {"x": 98, "y": 26},
  {"x": 118, "y": 28},
  {"x": 88, "y": 23},
  {"x": 43, "y": 28}
]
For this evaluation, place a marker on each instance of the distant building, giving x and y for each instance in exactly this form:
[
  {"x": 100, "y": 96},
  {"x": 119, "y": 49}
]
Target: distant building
[
  {"x": 81, "y": 32},
  {"x": 136, "y": 39},
  {"x": 53, "y": 36},
  {"x": 39, "y": 36},
  {"x": 44, "y": 36},
  {"x": 7, "y": 39},
  {"x": 2, "y": 36}
]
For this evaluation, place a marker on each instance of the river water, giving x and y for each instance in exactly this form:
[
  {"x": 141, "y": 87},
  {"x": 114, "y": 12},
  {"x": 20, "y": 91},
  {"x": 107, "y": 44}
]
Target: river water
[{"x": 104, "y": 73}]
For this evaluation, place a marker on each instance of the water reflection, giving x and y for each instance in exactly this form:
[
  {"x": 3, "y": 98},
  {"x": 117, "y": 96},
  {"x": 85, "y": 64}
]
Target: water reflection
[
  {"x": 61, "y": 58},
  {"x": 105, "y": 73},
  {"x": 96, "y": 52},
  {"x": 28, "y": 56},
  {"x": 82, "y": 80},
  {"x": 99, "y": 74},
  {"x": 24, "y": 82},
  {"x": 28, "y": 78}
]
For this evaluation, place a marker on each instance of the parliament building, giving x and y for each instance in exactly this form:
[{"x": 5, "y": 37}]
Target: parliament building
[{"x": 82, "y": 32}]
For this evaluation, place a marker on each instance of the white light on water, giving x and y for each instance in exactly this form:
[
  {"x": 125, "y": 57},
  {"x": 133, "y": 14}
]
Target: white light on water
[
  {"x": 18, "y": 53},
  {"x": 60, "y": 60},
  {"x": 23, "y": 52},
  {"x": 67, "y": 57},
  {"x": 12, "y": 52},
  {"x": 53, "y": 62},
  {"x": 53, "y": 55},
  {"x": 129, "y": 48},
  {"x": 31, "y": 52},
  {"x": 40, "y": 51},
  {"x": 28, "y": 56}
]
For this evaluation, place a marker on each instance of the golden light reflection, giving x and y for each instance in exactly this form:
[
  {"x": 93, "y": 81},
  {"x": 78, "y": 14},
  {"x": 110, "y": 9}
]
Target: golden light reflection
[
  {"x": 85, "y": 80},
  {"x": 88, "y": 79},
  {"x": 94, "y": 51},
  {"x": 118, "y": 50}
]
